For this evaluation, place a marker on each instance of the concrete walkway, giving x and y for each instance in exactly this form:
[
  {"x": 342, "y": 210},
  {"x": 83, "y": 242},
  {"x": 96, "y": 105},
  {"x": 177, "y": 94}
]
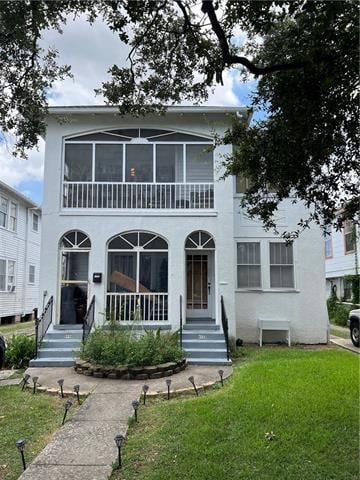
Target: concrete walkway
[
  {"x": 84, "y": 447},
  {"x": 344, "y": 343}
]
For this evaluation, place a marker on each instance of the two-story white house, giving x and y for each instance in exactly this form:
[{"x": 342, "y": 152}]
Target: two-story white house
[
  {"x": 20, "y": 235},
  {"x": 342, "y": 254},
  {"x": 137, "y": 223}
]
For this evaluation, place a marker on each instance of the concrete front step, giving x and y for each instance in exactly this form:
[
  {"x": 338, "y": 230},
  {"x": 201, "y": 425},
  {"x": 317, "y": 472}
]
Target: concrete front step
[
  {"x": 205, "y": 335},
  {"x": 200, "y": 320},
  {"x": 52, "y": 362},
  {"x": 64, "y": 334},
  {"x": 200, "y": 326},
  {"x": 208, "y": 361},
  {"x": 57, "y": 352},
  {"x": 68, "y": 327},
  {"x": 207, "y": 344},
  {"x": 61, "y": 343},
  {"x": 205, "y": 353}
]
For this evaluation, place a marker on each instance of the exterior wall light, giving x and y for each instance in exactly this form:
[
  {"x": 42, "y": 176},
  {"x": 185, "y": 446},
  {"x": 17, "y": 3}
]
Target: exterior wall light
[
  {"x": 168, "y": 383},
  {"x": 34, "y": 379},
  {"x": 221, "y": 373},
  {"x": 77, "y": 390},
  {"x": 145, "y": 389},
  {"x": 20, "y": 445},
  {"x": 135, "y": 404},
  {"x": 61, "y": 385},
  {"x": 25, "y": 381},
  {"x": 67, "y": 406},
  {"x": 119, "y": 440},
  {"x": 192, "y": 381}
]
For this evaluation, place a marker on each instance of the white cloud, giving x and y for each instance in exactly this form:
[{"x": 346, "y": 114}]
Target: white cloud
[{"x": 15, "y": 170}]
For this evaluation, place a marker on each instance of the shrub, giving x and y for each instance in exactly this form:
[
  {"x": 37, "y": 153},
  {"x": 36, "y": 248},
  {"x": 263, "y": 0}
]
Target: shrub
[
  {"x": 20, "y": 349},
  {"x": 338, "y": 313},
  {"x": 121, "y": 347}
]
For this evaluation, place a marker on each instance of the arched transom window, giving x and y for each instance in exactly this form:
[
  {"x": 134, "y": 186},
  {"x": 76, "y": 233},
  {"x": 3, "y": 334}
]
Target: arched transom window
[
  {"x": 138, "y": 263},
  {"x": 200, "y": 240},
  {"x": 75, "y": 239}
]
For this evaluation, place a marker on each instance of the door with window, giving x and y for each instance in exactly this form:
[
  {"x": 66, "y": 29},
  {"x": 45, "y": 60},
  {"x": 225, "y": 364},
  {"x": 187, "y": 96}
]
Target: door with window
[{"x": 74, "y": 282}]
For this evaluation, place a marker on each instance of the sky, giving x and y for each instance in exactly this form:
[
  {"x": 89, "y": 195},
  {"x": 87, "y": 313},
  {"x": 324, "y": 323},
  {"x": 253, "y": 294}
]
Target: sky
[{"x": 90, "y": 50}]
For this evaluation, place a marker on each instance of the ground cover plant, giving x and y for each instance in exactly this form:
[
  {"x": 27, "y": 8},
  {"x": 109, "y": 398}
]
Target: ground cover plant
[
  {"x": 117, "y": 347},
  {"x": 338, "y": 312},
  {"x": 286, "y": 414},
  {"x": 33, "y": 418},
  {"x": 20, "y": 349}
]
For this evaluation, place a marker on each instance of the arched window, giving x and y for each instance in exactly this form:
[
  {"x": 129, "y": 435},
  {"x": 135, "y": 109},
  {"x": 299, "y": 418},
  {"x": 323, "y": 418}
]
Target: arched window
[
  {"x": 201, "y": 240},
  {"x": 74, "y": 282},
  {"x": 138, "y": 263}
]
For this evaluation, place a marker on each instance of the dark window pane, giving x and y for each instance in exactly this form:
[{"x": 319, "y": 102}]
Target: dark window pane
[
  {"x": 78, "y": 162},
  {"x": 127, "y": 132},
  {"x": 75, "y": 266},
  {"x": 108, "y": 163},
  {"x": 132, "y": 237},
  {"x": 169, "y": 163},
  {"x": 122, "y": 272},
  {"x": 157, "y": 244},
  {"x": 73, "y": 303},
  {"x": 199, "y": 164},
  {"x": 180, "y": 137},
  {"x": 145, "y": 238},
  {"x": 153, "y": 275},
  {"x": 119, "y": 243},
  {"x": 100, "y": 137},
  {"x": 139, "y": 163},
  {"x": 152, "y": 132}
]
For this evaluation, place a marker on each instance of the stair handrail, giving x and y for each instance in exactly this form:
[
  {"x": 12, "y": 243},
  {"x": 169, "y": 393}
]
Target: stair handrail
[
  {"x": 43, "y": 323},
  {"x": 225, "y": 326},
  {"x": 88, "y": 320},
  {"x": 181, "y": 322}
]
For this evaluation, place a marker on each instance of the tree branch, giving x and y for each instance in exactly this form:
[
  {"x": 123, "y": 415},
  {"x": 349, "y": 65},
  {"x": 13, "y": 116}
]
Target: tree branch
[{"x": 229, "y": 59}]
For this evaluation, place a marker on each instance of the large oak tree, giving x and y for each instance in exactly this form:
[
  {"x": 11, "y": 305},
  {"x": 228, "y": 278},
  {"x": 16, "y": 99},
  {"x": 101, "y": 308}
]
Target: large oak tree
[{"x": 304, "y": 55}]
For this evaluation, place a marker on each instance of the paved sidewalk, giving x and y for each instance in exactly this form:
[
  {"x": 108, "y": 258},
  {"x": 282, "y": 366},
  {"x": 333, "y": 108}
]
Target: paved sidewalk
[
  {"x": 344, "y": 343},
  {"x": 84, "y": 448}
]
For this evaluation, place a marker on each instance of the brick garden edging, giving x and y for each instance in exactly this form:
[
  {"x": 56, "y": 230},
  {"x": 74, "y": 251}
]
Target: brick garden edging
[{"x": 130, "y": 373}]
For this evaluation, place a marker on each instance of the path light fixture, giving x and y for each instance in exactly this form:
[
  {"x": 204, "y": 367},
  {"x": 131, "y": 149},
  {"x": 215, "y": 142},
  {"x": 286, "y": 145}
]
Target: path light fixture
[
  {"x": 67, "y": 406},
  {"x": 119, "y": 440},
  {"x": 145, "y": 389},
  {"x": 77, "y": 390},
  {"x": 135, "y": 404},
  {"x": 25, "y": 381},
  {"x": 20, "y": 445},
  {"x": 35, "y": 379},
  {"x": 168, "y": 383},
  {"x": 221, "y": 373},
  {"x": 61, "y": 385},
  {"x": 192, "y": 381}
]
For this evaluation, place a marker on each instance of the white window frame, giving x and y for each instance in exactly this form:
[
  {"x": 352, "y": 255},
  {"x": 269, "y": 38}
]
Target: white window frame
[
  {"x": 34, "y": 214},
  {"x": 13, "y": 218},
  {"x": 282, "y": 265},
  {"x": 348, "y": 231},
  {"x": 31, "y": 282},
  {"x": 328, "y": 244},
  {"x": 5, "y": 275},
  {"x": 9, "y": 286},
  {"x": 3, "y": 197},
  {"x": 249, "y": 264}
]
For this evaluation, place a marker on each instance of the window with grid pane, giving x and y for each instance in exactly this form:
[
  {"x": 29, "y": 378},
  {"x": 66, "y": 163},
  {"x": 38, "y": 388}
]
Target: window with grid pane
[
  {"x": 248, "y": 265},
  {"x": 2, "y": 275},
  {"x": 13, "y": 215},
  {"x": 3, "y": 211},
  {"x": 281, "y": 265},
  {"x": 31, "y": 273},
  {"x": 349, "y": 237}
]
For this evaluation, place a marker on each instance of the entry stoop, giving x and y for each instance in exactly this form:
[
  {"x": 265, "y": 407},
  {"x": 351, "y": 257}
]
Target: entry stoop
[
  {"x": 204, "y": 342},
  {"x": 60, "y": 346}
]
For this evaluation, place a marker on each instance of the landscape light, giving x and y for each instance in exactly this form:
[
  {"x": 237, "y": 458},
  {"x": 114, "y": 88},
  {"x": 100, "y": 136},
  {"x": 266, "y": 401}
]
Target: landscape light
[
  {"x": 20, "y": 445},
  {"x": 67, "y": 406},
  {"x": 135, "y": 404},
  {"x": 192, "y": 381},
  {"x": 61, "y": 384},
  {"x": 77, "y": 390},
  {"x": 168, "y": 383},
  {"x": 221, "y": 373},
  {"x": 119, "y": 440},
  {"x": 145, "y": 390},
  {"x": 34, "y": 379},
  {"x": 25, "y": 381}
]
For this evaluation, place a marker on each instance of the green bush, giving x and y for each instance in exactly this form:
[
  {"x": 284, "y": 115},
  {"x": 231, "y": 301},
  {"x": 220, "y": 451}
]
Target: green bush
[
  {"x": 338, "y": 313},
  {"x": 20, "y": 349},
  {"x": 121, "y": 347}
]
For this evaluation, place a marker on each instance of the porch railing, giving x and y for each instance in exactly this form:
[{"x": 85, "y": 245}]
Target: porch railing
[
  {"x": 225, "y": 326},
  {"x": 138, "y": 195},
  {"x": 89, "y": 319},
  {"x": 181, "y": 321},
  {"x": 138, "y": 307},
  {"x": 43, "y": 323}
]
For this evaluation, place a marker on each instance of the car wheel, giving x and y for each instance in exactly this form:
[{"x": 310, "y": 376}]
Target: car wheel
[{"x": 354, "y": 333}]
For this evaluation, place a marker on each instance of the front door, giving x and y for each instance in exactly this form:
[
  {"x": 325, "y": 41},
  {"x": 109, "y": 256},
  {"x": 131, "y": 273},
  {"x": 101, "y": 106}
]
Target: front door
[
  {"x": 199, "y": 285},
  {"x": 73, "y": 287}
]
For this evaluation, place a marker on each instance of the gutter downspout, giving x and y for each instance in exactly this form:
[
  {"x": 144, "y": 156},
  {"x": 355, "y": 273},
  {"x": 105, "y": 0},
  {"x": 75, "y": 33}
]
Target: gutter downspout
[{"x": 25, "y": 261}]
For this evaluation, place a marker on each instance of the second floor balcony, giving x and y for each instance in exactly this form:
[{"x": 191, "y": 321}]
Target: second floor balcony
[{"x": 138, "y": 169}]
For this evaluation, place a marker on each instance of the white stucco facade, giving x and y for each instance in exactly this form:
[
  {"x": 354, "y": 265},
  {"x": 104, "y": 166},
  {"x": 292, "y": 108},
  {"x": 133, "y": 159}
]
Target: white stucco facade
[{"x": 303, "y": 305}]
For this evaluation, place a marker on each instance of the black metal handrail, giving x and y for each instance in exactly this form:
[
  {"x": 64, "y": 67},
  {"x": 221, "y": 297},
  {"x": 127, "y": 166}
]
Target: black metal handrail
[
  {"x": 225, "y": 326},
  {"x": 89, "y": 319},
  {"x": 43, "y": 323},
  {"x": 181, "y": 322}
]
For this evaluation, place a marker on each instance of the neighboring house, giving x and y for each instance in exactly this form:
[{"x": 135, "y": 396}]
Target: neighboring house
[
  {"x": 342, "y": 253},
  {"x": 137, "y": 217},
  {"x": 20, "y": 235}
]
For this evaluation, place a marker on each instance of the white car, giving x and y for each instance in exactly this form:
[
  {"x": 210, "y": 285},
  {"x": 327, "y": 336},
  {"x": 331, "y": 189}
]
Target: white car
[{"x": 353, "y": 323}]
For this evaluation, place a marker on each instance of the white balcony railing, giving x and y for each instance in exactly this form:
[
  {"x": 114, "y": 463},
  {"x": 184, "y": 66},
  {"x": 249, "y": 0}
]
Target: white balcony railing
[
  {"x": 138, "y": 307},
  {"x": 138, "y": 195}
]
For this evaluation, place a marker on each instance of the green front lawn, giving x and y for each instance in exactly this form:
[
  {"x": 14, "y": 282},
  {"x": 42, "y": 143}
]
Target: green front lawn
[
  {"x": 307, "y": 398},
  {"x": 338, "y": 332},
  {"x": 23, "y": 415},
  {"x": 17, "y": 327}
]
